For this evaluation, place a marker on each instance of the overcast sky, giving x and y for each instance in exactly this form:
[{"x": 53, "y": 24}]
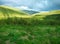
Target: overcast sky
[{"x": 39, "y": 5}]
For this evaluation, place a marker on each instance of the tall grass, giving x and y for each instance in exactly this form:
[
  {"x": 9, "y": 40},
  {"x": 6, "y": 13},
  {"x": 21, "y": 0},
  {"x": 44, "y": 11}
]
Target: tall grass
[
  {"x": 19, "y": 30},
  {"x": 18, "y": 34},
  {"x": 47, "y": 20}
]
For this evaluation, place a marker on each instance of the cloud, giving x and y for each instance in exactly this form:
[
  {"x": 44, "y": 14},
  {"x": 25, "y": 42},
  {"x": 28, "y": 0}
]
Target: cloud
[
  {"x": 33, "y": 4},
  {"x": 56, "y": 1},
  {"x": 23, "y": 7},
  {"x": 43, "y": 4}
]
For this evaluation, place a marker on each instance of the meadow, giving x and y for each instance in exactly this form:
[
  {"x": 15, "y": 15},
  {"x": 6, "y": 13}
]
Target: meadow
[{"x": 20, "y": 28}]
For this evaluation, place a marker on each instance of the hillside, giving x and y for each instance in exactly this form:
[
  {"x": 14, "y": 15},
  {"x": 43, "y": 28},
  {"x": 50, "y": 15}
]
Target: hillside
[
  {"x": 43, "y": 14},
  {"x": 10, "y": 12},
  {"x": 48, "y": 12},
  {"x": 31, "y": 30}
]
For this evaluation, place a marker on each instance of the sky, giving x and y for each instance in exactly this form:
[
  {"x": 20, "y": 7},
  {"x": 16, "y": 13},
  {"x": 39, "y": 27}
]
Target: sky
[{"x": 38, "y": 5}]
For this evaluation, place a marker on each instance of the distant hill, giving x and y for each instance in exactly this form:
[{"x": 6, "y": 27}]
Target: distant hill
[
  {"x": 9, "y": 11},
  {"x": 30, "y": 11},
  {"x": 47, "y": 13}
]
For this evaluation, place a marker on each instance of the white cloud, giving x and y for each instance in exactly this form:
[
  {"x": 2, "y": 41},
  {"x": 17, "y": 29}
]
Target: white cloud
[
  {"x": 32, "y": 4},
  {"x": 11, "y": 1},
  {"x": 24, "y": 8}
]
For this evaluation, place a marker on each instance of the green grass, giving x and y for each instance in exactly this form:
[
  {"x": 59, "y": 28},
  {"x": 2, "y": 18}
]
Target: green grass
[
  {"x": 20, "y": 28},
  {"x": 29, "y": 31},
  {"x": 18, "y": 34},
  {"x": 10, "y": 12}
]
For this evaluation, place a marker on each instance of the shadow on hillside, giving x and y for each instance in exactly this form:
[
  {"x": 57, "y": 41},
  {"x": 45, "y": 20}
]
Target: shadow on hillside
[{"x": 48, "y": 20}]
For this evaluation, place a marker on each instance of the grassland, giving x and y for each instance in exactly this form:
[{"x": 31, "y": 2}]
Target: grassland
[{"x": 21, "y": 28}]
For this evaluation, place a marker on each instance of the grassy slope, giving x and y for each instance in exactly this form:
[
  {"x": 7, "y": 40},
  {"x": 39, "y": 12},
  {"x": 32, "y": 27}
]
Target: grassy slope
[
  {"x": 48, "y": 12},
  {"x": 6, "y": 11},
  {"x": 42, "y": 15},
  {"x": 28, "y": 30}
]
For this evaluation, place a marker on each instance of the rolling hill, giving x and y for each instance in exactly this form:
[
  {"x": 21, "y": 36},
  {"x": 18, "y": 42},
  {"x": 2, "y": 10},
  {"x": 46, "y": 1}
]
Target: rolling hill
[
  {"x": 16, "y": 30},
  {"x": 45, "y": 14},
  {"x": 10, "y": 12},
  {"x": 48, "y": 12}
]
